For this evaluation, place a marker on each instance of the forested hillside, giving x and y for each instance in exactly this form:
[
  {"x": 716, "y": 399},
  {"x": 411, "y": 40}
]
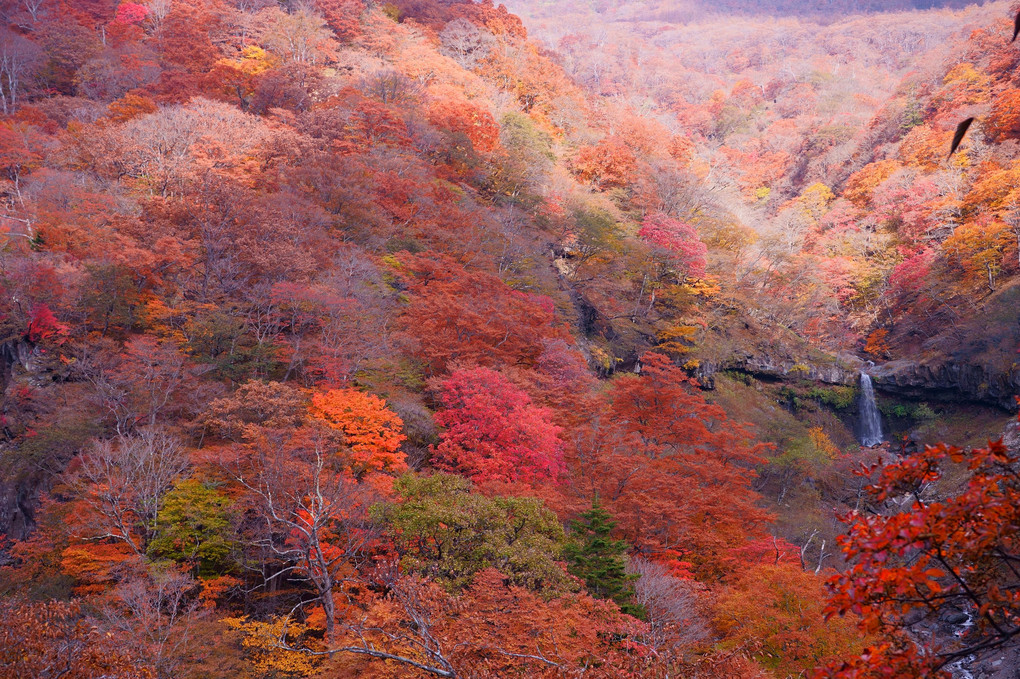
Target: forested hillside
[{"x": 357, "y": 339}]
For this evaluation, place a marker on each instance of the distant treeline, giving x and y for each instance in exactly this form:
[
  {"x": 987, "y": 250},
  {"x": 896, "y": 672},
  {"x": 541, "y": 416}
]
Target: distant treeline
[{"x": 683, "y": 11}]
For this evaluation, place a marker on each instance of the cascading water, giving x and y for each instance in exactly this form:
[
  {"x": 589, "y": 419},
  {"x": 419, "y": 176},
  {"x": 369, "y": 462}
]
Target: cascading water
[{"x": 871, "y": 420}]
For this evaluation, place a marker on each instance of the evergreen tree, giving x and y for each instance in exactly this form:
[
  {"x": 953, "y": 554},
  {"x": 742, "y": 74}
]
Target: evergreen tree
[{"x": 600, "y": 561}]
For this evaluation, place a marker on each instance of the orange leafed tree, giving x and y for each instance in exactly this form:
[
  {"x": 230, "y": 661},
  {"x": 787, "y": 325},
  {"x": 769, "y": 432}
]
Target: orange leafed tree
[
  {"x": 608, "y": 164},
  {"x": 372, "y": 432},
  {"x": 495, "y": 629},
  {"x": 467, "y": 118},
  {"x": 774, "y": 612},
  {"x": 861, "y": 184},
  {"x": 979, "y": 249},
  {"x": 56, "y": 639},
  {"x": 1004, "y": 120}
]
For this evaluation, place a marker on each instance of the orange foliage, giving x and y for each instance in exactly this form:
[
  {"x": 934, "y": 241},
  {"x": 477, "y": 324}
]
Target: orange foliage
[
  {"x": 130, "y": 106},
  {"x": 861, "y": 184},
  {"x": 471, "y": 120},
  {"x": 925, "y": 147},
  {"x": 979, "y": 249},
  {"x": 995, "y": 188},
  {"x": 608, "y": 164},
  {"x": 495, "y": 629},
  {"x": 94, "y": 565},
  {"x": 1004, "y": 120},
  {"x": 45, "y": 639},
  {"x": 774, "y": 612},
  {"x": 877, "y": 344},
  {"x": 371, "y": 431}
]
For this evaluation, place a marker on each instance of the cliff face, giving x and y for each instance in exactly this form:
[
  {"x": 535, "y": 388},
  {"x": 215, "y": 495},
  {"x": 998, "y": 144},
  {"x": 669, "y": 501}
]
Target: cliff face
[
  {"x": 965, "y": 380},
  {"x": 945, "y": 381},
  {"x": 843, "y": 371},
  {"x": 20, "y": 485},
  {"x": 949, "y": 381}
]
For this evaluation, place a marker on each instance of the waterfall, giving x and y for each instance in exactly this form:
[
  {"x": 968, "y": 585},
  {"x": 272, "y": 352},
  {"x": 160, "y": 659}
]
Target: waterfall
[{"x": 871, "y": 420}]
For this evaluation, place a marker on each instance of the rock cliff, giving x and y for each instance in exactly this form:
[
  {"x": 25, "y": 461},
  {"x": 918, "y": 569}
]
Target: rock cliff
[{"x": 949, "y": 381}]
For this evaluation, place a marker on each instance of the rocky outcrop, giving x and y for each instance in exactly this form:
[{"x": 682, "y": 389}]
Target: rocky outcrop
[
  {"x": 15, "y": 353},
  {"x": 1011, "y": 436},
  {"x": 910, "y": 380},
  {"x": 17, "y": 497},
  {"x": 843, "y": 370},
  {"x": 949, "y": 382}
]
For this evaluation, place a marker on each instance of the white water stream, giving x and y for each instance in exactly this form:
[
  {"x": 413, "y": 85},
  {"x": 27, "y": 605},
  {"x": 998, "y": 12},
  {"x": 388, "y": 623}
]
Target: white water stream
[{"x": 871, "y": 419}]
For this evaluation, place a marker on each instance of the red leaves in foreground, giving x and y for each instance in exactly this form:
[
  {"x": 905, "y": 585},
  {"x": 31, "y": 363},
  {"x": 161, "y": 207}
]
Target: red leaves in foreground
[
  {"x": 959, "y": 554},
  {"x": 129, "y": 13},
  {"x": 43, "y": 325}
]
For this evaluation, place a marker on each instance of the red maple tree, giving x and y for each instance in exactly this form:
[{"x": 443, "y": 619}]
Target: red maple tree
[{"x": 493, "y": 432}]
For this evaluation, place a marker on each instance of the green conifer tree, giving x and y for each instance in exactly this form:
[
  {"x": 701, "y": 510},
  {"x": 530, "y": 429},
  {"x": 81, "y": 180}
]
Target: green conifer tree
[{"x": 600, "y": 561}]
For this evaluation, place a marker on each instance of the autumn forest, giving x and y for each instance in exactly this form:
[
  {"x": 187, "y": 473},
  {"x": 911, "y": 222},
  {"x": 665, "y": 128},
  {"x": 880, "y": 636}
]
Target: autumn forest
[{"x": 442, "y": 338}]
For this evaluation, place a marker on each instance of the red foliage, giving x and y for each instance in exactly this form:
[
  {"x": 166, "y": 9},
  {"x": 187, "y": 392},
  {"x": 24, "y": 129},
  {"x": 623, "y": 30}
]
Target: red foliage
[
  {"x": 908, "y": 206},
  {"x": 673, "y": 469},
  {"x": 129, "y": 13},
  {"x": 493, "y": 432},
  {"x": 43, "y": 325},
  {"x": 437, "y": 14},
  {"x": 20, "y": 150},
  {"x": 304, "y": 313},
  {"x": 92, "y": 13},
  {"x": 473, "y": 317},
  {"x": 343, "y": 16},
  {"x": 679, "y": 241},
  {"x": 937, "y": 555},
  {"x": 187, "y": 50},
  {"x": 768, "y": 550},
  {"x": 908, "y": 278},
  {"x": 308, "y": 523}
]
